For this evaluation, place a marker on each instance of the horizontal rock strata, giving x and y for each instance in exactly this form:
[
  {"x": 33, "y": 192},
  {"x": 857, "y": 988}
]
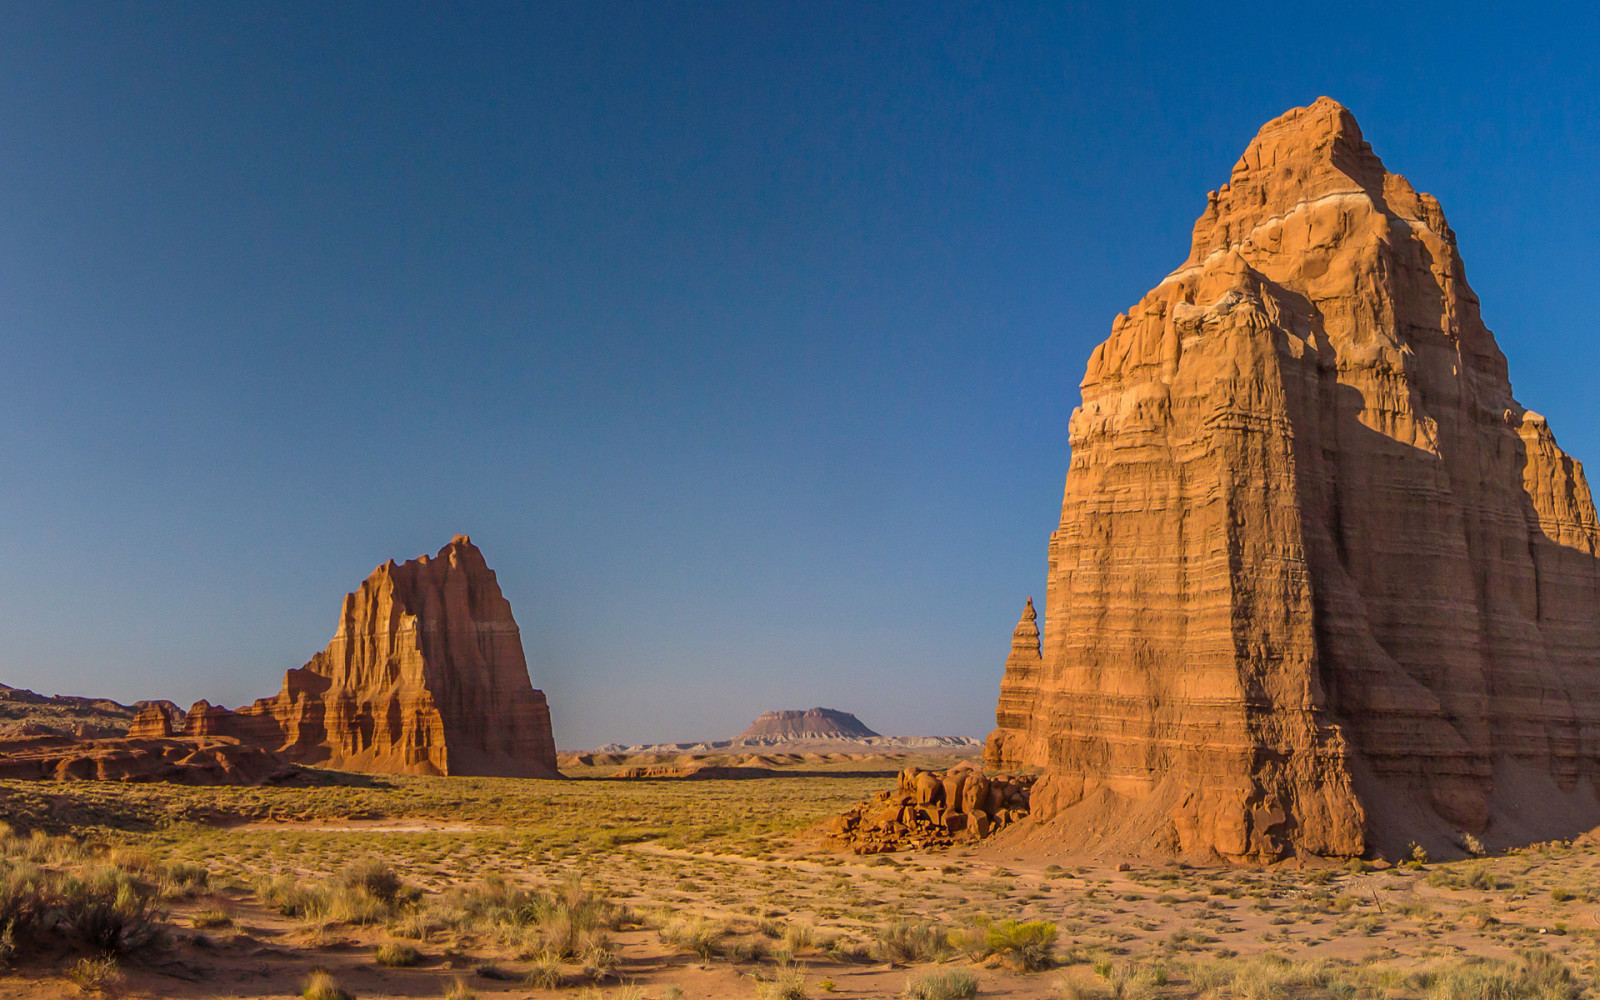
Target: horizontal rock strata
[
  {"x": 181, "y": 761},
  {"x": 1321, "y": 584},
  {"x": 426, "y": 675}
]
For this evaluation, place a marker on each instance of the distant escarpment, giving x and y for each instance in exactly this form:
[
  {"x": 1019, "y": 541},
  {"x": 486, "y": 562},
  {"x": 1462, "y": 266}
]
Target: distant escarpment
[
  {"x": 24, "y": 713},
  {"x": 1321, "y": 585},
  {"x": 811, "y": 724},
  {"x": 426, "y": 675}
]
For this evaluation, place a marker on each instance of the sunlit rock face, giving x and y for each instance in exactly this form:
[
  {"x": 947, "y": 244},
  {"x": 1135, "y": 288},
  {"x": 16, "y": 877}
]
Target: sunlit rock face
[
  {"x": 1321, "y": 584},
  {"x": 426, "y": 675}
]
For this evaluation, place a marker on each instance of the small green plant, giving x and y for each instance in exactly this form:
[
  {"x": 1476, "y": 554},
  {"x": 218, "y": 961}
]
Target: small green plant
[
  {"x": 1028, "y": 945},
  {"x": 1416, "y": 853},
  {"x": 951, "y": 984}
]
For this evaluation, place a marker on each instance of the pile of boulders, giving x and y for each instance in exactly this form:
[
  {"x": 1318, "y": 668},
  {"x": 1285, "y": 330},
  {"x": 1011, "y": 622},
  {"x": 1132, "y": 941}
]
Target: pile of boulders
[{"x": 931, "y": 809}]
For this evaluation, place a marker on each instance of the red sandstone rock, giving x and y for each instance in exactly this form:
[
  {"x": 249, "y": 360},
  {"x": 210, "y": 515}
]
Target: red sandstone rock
[
  {"x": 1321, "y": 584},
  {"x": 425, "y": 675},
  {"x": 183, "y": 761}
]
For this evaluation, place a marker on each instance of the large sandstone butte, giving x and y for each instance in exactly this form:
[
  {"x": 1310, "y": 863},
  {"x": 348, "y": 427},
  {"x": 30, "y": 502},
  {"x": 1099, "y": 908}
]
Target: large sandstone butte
[
  {"x": 425, "y": 675},
  {"x": 1321, "y": 584}
]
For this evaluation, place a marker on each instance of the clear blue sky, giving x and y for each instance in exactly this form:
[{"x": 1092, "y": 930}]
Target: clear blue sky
[{"x": 741, "y": 337}]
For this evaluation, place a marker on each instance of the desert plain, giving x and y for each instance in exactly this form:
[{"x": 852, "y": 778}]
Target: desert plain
[{"x": 595, "y": 887}]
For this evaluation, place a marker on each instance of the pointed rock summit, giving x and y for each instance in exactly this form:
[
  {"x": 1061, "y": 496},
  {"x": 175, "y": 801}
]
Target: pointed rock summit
[
  {"x": 425, "y": 675},
  {"x": 1321, "y": 584}
]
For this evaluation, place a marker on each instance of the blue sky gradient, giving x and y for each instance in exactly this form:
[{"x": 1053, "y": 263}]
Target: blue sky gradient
[{"x": 741, "y": 337}]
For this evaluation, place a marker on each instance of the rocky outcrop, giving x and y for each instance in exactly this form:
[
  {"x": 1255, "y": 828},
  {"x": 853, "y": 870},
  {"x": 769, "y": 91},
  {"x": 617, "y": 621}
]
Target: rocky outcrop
[
  {"x": 1321, "y": 584},
  {"x": 811, "y": 724},
  {"x": 180, "y": 761},
  {"x": 426, "y": 675},
  {"x": 24, "y": 713},
  {"x": 933, "y": 809}
]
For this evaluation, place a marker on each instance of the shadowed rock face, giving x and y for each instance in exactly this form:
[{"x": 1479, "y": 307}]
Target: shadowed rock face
[
  {"x": 1321, "y": 584},
  {"x": 811, "y": 724},
  {"x": 425, "y": 675}
]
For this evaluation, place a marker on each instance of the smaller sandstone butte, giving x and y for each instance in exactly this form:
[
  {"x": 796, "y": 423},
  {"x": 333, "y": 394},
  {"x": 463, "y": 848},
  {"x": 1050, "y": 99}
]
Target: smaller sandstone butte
[
  {"x": 426, "y": 675},
  {"x": 812, "y": 724}
]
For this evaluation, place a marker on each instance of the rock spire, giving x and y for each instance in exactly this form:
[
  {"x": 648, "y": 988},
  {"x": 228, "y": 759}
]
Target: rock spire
[{"x": 425, "y": 675}]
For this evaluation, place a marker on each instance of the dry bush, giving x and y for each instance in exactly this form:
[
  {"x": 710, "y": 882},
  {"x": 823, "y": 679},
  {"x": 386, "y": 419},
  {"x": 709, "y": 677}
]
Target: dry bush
[
  {"x": 321, "y": 985},
  {"x": 289, "y": 897},
  {"x": 397, "y": 955},
  {"x": 906, "y": 942},
  {"x": 108, "y": 912},
  {"x": 546, "y": 972},
  {"x": 694, "y": 934},
  {"x": 788, "y": 984},
  {"x": 95, "y": 975},
  {"x": 948, "y": 984}
]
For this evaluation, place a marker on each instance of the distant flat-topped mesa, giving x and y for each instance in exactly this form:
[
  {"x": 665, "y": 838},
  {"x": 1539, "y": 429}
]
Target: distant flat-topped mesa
[
  {"x": 425, "y": 675},
  {"x": 811, "y": 724},
  {"x": 1321, "y": 584}
]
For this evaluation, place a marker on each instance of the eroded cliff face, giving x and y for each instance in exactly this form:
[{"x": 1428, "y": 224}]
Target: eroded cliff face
[
  {"x": 1321, "y": 584},
  {"x": 426, "y": 675}
]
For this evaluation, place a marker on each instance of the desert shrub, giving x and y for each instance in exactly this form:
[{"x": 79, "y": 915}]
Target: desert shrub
[
  {"x": 372, "y": 877},
  {"x": 600, "y": 959},
  {"x": 108, "y": 911},
  {"x": 183, "y": 879},
  {"x": 907, "y": 941},
  {"x": 798, "y": 937},
  {"x": 397, "y": 955},
  {"x": 786, "y": 985},
  {"x": 694, "y": 934},
  {"x": 368, "y": 892},
  {"x": 946, "y": 984},
  {"x": 546, "y": 973},
  {"x": 94, "y": 975},
  {"x": 24, "y": 894},
  {"x": 1028, "y": 945},
  {"x": 460, "y": 991},
  {"x": 1538, "y": 975},
  {"x": 321, "y": 985},
  {"x": 209, "y": 918},
  {"x": 292, "y": 899}
]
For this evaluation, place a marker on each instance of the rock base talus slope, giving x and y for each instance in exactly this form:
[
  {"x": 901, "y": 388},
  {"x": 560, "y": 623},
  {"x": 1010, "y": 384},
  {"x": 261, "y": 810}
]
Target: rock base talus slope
[{"x": 1321, "y": 584}]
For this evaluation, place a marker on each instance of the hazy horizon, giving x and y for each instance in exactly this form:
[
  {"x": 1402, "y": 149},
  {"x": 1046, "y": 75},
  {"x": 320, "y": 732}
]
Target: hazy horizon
[{"x": 741, "y": 338}]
